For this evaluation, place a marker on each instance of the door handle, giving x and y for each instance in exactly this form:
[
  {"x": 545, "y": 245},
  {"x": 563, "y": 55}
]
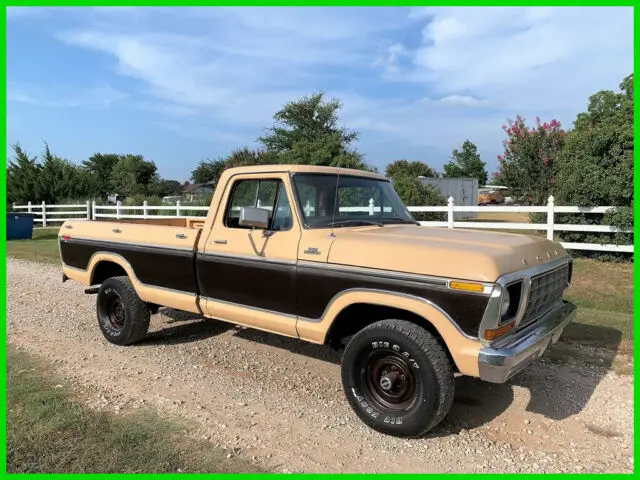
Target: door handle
[
  {"x": 219, "y": 241},
  {"x": 116, "y": 230},
  {"x": 180, "y": 235}
]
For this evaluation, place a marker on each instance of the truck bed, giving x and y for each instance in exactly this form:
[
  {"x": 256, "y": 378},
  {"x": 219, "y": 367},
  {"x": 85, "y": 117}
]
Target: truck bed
[{"x": 157, "y": 256}]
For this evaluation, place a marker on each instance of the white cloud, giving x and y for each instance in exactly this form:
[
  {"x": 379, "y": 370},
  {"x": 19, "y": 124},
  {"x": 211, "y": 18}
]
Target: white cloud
[
  {"x": 100, "y": 96},
  {"x": 429, "y": 77},
  {"x": 531, "y": 58}
]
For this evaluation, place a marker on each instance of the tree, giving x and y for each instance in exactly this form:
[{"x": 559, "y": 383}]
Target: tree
[
  {"x": 100, "y": 166},
  {"x": 413, "y": 169},
  {"x": 306, "y": 131},
  {"x": 413, "y": 192},
  {"x": 166, "y": 187},
  {"x": 596, "y": 166},
  {"x": 133, "y": 175},
  {"x": 467, "y": 163},
  {"x": 59, "y": 180},
  {"x": 22, "y": 176},
  {"x": 527, "y": 166},
  {"x": 208, "y": 171}
]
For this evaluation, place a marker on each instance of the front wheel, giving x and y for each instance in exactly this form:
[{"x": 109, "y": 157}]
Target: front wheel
[{"x": 397, "y": 378}]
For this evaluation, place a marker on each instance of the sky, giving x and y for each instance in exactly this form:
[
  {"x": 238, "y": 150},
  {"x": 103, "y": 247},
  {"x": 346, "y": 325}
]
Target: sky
[{"x": 184, "y": 84}]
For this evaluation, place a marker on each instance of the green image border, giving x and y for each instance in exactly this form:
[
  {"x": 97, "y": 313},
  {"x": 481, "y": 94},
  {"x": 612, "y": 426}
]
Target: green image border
[{"x": 300, "y": 3}]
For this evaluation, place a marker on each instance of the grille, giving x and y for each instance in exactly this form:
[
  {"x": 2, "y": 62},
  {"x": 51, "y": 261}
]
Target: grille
[{"x": 546, "y": 290}]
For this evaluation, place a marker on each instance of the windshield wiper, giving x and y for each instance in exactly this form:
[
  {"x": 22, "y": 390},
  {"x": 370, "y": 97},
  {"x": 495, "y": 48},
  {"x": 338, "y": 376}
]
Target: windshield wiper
[
  {"x": 400, "y": 220},
  {"x": 356, "y": 221}
]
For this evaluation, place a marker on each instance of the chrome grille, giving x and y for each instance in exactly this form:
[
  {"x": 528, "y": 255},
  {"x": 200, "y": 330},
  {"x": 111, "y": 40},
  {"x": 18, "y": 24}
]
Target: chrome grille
[{"x": 546, "y": 291}]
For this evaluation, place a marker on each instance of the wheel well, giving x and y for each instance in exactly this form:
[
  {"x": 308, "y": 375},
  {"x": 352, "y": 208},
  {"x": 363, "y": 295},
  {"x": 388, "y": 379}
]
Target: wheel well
[
  {"x": 355, "y": 317},
  {"x": 104, "y": 270}
]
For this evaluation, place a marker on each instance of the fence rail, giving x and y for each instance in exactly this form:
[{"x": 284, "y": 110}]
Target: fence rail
[{"x": 46, "y": 214}]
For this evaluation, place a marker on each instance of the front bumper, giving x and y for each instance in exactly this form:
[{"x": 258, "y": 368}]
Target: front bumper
[{"x": 508, "y": 356}]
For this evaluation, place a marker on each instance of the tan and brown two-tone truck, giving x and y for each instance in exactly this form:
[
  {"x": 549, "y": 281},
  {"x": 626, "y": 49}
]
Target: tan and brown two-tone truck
[{"x": 332, "y": 256}]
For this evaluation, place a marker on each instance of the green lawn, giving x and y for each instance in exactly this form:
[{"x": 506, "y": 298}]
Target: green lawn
[
  {"x": 42, "y": 248},
  {"x": 49, "y": 432},
  {"x": 603, "y": 292}
]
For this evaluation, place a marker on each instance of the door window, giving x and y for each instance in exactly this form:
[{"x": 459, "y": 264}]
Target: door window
[{"x": 270, "y": 195}]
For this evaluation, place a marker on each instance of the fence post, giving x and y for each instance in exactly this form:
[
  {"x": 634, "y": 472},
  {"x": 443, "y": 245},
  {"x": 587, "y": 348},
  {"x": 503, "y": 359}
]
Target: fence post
[
  {"x": 118, "y": 205},
  {"x": 88, "y": 210},
  {"x": 177, "y": 208},
  {"x": 93, "y": 209},
  {"x": 450, "y": 212},
  {"x": 44, "y": 214},
  {"x": 145, "y": 209},
  {"x": 371, "y": 207},
  {"x": 550, "y": 215},
  {"x": 29, "y": 206}
]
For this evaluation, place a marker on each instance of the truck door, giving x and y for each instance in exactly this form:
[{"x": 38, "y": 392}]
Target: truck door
[{"x": 248, "y": 276}]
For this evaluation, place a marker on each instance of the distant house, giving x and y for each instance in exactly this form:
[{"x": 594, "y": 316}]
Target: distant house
[{"x": 197, "y": 191}]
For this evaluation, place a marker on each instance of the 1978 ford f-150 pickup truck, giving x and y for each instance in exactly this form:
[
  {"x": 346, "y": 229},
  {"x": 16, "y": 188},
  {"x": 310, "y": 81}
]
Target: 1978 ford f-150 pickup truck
[{"x": 287, "y": 249}]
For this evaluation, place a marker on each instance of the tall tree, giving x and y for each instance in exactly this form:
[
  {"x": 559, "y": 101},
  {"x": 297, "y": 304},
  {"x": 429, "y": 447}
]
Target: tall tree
[
  {"x": 101, "y": 166},
  {"x": 133, "y": 175},
  {"x": 307, "y": 131},
  {"x": 596, "y": 166},
  {"x": 467, "y": 163},
  {"x": 22, "y": 176},
  {"x": 208, "y": 171},
  {"x": 528, "y": 164},
  {"x": 412, "y": 169}
]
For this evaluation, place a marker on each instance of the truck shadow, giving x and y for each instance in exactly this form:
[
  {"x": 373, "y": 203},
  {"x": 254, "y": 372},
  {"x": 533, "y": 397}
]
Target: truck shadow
[
  {"x": 183, "y": 327},
  {"x": 559, "y": 385}
]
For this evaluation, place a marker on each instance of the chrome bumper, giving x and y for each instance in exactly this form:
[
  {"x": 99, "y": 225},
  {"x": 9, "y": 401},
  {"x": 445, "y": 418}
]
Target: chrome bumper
[{"x": 508, "y": 356}]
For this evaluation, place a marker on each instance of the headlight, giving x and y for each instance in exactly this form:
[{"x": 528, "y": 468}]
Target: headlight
[{"x": 506, "y": 303}]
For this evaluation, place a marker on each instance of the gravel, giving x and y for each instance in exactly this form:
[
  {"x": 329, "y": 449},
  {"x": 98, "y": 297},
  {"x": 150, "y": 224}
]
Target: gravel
[{"x": 279, "y": 402}]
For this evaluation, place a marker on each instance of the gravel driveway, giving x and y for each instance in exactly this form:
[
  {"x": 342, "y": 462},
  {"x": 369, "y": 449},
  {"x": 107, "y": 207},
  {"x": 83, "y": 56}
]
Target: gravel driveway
[{"x": 279, "y": 402}]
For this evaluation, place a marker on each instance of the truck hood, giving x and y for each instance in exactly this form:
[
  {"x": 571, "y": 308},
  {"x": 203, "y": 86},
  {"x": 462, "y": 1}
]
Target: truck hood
[{"x": 467, "y": 254}]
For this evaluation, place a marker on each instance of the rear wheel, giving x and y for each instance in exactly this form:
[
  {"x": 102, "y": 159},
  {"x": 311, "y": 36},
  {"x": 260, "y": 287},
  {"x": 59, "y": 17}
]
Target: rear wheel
[
  {"x": 122, "y": 316},
  {"x": 397, "y": 378}
]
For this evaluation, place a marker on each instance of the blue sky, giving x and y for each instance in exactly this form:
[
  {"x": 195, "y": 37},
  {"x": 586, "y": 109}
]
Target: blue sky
[{"x": 179, "y": 85}]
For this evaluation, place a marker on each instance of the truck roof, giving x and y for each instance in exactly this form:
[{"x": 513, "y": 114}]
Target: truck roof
[{"x": 302, "y": 169}]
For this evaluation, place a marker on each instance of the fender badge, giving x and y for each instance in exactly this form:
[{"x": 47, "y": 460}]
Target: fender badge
[{"x": 312, "y": 251}]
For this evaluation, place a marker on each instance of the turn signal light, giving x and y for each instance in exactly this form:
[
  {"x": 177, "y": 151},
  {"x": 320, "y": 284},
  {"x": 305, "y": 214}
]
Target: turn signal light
[
  {"x": 469, "y": 287},
  {"x": 492, "y": 334}
]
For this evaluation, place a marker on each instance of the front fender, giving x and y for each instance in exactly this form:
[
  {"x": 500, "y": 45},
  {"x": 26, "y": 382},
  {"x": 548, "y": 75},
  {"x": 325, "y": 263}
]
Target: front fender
[{"x": 464, "y": 349}]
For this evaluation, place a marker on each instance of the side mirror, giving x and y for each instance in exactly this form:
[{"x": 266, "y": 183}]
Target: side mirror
[{"x": 254, "y": 217}]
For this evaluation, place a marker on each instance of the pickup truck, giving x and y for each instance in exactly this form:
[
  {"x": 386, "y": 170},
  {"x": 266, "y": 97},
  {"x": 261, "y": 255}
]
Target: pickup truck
[{"x": 332, "y": 256}]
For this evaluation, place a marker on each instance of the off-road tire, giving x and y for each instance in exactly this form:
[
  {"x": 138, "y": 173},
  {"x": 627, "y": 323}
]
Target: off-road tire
[
  {"x": 122, "y": 316},
  {"x": 382, "y": 347}
]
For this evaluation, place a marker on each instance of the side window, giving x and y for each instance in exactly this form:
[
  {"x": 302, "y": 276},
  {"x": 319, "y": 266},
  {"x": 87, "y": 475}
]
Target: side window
[{"x": 268, "y": 194}]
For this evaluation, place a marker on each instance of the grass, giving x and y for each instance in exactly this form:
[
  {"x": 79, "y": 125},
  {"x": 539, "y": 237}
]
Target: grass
[
  {"x": 42, "y": 248},
  {"x": 49, "y": 432},
  {"x": 603, "y": 292}
]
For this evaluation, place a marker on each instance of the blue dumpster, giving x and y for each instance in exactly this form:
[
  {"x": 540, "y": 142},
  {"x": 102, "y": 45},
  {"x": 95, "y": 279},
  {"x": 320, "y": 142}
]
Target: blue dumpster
[{"x": 19, "y": 225}]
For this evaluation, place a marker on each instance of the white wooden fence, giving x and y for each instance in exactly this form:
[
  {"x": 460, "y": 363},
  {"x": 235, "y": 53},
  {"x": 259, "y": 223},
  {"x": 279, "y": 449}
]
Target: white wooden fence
[{"x": 49, "y": 213}]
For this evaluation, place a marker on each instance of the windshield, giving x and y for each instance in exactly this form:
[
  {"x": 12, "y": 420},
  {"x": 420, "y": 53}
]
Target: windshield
[{"x": 360, "y": 201}]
